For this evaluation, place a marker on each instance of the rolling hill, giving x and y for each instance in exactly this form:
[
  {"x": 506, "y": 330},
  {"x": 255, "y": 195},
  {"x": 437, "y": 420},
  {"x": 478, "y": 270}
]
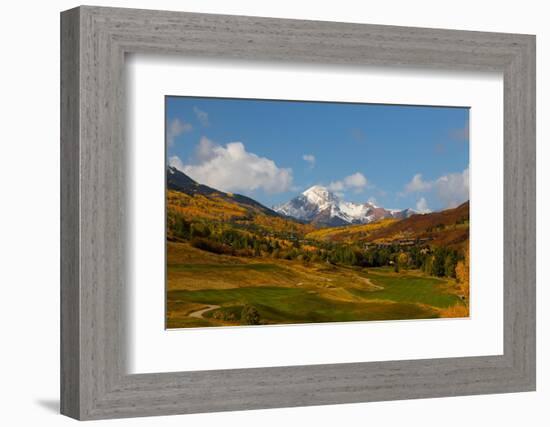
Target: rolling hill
[
  {"x": 178, "y": 181},
  {"x": 349, "y": 233},
  {"x": 194, "y": 202},
  {"x": 445, "y": 228},
  {"x": 448, "y": 228}
]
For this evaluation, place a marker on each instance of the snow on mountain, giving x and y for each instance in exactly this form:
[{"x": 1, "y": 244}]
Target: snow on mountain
[{"x": 319, "y": 205}]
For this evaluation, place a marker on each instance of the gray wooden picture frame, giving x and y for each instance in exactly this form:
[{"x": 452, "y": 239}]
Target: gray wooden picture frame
[{"x": 94, "y": 381}]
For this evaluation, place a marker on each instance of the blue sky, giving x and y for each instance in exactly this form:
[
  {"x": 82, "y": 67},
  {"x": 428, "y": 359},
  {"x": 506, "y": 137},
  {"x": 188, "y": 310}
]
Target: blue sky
[{"x": 396, "y": 156}]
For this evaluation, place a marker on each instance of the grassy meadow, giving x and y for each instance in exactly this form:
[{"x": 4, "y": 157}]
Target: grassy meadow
[{"x": 207, "y": 289}]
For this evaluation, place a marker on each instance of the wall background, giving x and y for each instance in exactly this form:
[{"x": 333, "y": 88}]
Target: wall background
[{"x": 29, "y": 213}]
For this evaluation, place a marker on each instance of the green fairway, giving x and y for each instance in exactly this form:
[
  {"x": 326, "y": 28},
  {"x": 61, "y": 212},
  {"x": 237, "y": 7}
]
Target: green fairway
[
  {"x": 291, "y": 305},
  {"x": 408, "y": 288}
]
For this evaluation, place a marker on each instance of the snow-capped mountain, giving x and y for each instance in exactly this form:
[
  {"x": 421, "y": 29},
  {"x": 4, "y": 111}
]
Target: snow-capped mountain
[{"x": 319, "y": 205}]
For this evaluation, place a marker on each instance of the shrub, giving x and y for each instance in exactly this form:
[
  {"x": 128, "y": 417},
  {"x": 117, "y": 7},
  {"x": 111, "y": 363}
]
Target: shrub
[
  {"x": 250, "y": 316},
  {"x": 199, "y": 230},
  {"x": 210, "y": 246},
  {"x": 457, "y": 310}
]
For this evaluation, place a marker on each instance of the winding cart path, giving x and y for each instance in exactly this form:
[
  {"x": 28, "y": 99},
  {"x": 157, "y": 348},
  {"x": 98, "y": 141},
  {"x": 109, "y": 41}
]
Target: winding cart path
[{"x": 199, "y": 313}]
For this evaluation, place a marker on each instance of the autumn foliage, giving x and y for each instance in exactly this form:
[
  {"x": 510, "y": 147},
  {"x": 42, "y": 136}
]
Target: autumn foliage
[{"x": 463, "y": 273}]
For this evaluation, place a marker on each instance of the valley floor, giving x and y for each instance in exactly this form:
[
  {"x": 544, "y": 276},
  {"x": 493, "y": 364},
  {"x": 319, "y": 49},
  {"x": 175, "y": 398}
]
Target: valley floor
[{"x": 205, "y": 289}]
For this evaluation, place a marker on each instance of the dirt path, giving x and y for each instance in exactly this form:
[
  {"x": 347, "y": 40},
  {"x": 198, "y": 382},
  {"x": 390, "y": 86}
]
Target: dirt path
[
  {"x": 368, "y": 282},
  {"x": 199, "y": 313}
]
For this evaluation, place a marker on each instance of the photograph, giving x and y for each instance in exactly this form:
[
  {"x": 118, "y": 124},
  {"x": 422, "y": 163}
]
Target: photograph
[{"x": 291, "y": 212}]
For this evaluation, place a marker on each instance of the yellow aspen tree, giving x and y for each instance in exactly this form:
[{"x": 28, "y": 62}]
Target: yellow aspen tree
[{"x": 463, "y": 273}]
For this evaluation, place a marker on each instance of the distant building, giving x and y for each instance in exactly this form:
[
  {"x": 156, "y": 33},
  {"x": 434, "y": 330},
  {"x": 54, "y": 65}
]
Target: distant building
[{"x": 400, "y": 242}]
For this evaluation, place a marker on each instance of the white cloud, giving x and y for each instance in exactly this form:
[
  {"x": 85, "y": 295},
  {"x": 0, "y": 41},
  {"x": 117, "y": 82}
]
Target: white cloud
[
  {"x": 176, "y": 162},
  {"x": 232, "y": 168},
  {"x": 417, "y": 184},
  {"x": 452, "y": 189},
  {"x": 309, "y": 158},
  {"x": 336, "y": 186},
  {"x": 356, "y": 182},
  {"x": 205, "y": 150},
  {"x": 202, "y": 116},
  {"x": 175, "y": 128},
  {"x": 422, "y": 205}
]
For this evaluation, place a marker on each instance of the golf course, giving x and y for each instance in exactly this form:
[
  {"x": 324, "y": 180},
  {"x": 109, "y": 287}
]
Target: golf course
[{"x": 205, "y": 289}]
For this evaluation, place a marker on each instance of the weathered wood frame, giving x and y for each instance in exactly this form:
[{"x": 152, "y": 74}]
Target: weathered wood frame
[{"x": 94, "y": 41}]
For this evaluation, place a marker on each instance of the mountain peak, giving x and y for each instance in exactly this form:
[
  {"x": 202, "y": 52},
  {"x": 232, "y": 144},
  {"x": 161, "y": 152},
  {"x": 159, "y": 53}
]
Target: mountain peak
[
  {"x": 320, "y": 205},
  {"x": 316, "y": 189},
  {"x": 319, "y": 195}
]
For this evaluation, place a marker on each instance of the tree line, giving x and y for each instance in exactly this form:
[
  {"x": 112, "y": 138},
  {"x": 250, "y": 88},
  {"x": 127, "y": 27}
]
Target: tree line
[{"x": 223, "y": 238}]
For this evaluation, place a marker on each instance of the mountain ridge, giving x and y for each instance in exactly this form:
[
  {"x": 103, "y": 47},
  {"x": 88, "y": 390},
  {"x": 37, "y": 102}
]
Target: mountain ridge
[
  {"x": 178, "y": 180},
  {"x": 448, "y": 227},
  {"x": 320, "y": 206}
]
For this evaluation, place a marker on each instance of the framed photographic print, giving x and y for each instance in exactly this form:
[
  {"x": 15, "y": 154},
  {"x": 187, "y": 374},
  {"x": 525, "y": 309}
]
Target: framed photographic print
[
  {"x": 287, "y": 228},
  {"x": 262, "y": 213}
]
